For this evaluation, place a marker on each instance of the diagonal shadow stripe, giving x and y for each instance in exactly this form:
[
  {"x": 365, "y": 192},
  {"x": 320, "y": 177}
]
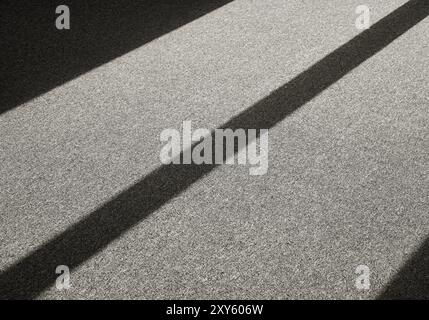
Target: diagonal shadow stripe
[
  {"x": 35, "y": 57},
  {"x": 412, "y": 281},
  {"x": 34, "y": 273}
]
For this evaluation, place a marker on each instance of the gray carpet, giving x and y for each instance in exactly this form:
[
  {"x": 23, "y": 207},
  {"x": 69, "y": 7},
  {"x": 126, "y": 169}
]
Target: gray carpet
[{"x": 346, "y": 186}]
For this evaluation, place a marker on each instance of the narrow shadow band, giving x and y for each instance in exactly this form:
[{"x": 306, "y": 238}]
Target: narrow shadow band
[{"x": 412, "y": 281}]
